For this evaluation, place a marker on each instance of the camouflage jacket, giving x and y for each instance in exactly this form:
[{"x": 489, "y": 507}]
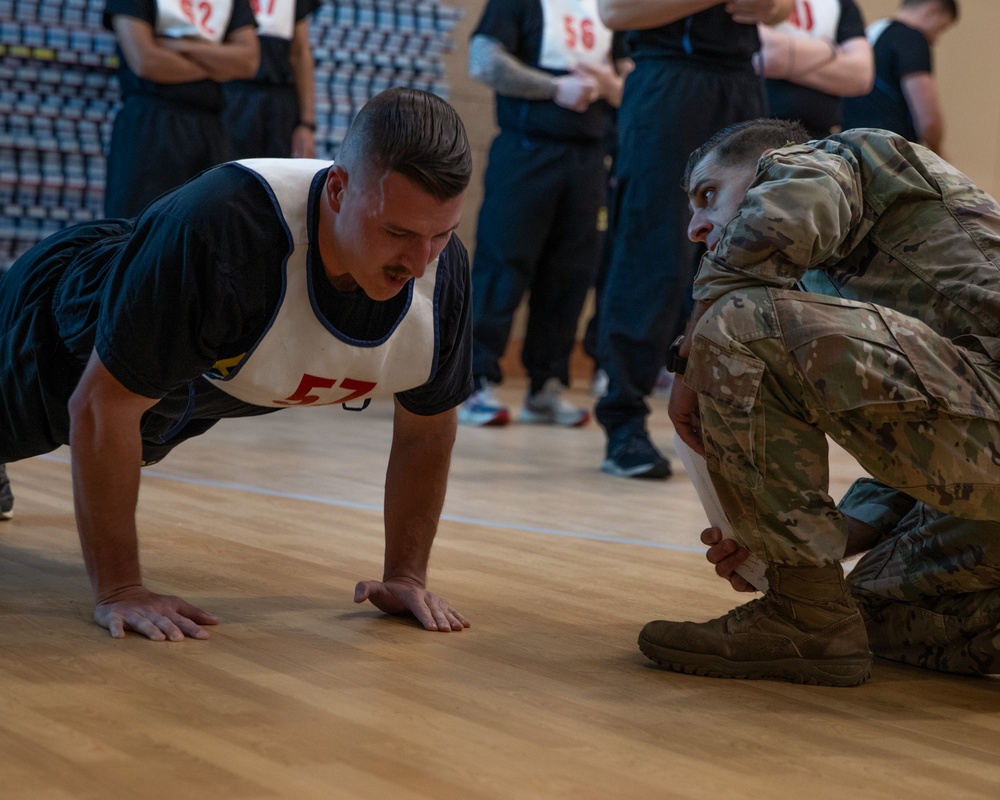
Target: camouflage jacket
[{"x": 868, "y": 216}]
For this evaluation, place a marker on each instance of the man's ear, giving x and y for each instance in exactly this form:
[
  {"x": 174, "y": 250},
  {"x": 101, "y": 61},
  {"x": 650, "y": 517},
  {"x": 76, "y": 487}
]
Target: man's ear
[{"x": 336, "y": 185}]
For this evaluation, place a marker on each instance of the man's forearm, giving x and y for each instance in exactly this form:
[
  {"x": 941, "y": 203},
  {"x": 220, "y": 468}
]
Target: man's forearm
[
  {"x": 415, "y": 485},
  {"x": 106, "y": 451},
  {"x": 105, "y": 465},
  {"x": 846, "y": 70},
  {"x": 304, "y": 72},
  {"x": 505, "y": 74},
  {"x": 237, "y": 58}
]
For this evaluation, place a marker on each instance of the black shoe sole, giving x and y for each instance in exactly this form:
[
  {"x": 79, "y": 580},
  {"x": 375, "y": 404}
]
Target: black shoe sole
[{"x": 840, "y": 672}]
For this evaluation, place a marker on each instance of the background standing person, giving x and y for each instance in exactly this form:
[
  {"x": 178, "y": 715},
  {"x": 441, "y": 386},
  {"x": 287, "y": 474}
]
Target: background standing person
[
  {"x": 544, "y": 213},
  {"x": 274, "y": 114},
  {"x": 905, "y": 98},
  {"x": 693, "y": 74},
  {"x": 172, "y": 62},
  {"x": 812, "y": 60},
  {"x": 253, "y": 287}
]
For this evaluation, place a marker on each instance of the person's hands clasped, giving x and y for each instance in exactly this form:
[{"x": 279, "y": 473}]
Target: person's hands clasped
[
  {"x": 576, "y": 91},
  {"x": 606, "y": 80},
  {"x": 402, "y": 595},
  {"x": 158, "y": 617},
  {"x": 726, "y": 555}
]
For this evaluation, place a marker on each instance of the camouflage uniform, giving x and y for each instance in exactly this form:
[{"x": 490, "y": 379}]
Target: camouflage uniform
[{"x": 893, "y": 351}]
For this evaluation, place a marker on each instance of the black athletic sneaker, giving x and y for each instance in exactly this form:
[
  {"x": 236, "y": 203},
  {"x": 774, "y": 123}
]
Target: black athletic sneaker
[
  {"x": 6, "y": 496},
  {"x": 634, "y": 456}
]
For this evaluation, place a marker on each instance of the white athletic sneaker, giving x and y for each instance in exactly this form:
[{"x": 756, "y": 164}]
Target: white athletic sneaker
[
  {"x": 482, "y": 409},
  {"x": 548, "y": 407}
]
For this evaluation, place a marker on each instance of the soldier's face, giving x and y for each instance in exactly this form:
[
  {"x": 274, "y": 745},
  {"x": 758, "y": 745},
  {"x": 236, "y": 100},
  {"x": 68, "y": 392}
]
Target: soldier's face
[
  {"x": 383, "y": 232},
  {"x": 715, "y": 193}
]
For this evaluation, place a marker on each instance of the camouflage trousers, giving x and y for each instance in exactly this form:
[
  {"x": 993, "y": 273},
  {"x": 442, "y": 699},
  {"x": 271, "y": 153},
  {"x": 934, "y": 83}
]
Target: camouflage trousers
[
  {"x": 778, "y": 371},
  {"x": 930, "y": 587}
]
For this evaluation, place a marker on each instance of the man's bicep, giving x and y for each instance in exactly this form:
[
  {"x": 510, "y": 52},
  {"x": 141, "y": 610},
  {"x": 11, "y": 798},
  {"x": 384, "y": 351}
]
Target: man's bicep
[{"x": 100, "y": 388}]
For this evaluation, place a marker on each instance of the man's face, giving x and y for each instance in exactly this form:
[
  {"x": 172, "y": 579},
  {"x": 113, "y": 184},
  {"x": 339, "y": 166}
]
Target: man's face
[
  {"x": 935, "y": 22},
  {"x": 379, "y": 233},
  {"x": 715, "y": 192}
]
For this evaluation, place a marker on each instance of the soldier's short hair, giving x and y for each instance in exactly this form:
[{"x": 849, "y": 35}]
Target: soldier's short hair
[
  {"x": 744, "y": 142},
  {"x": 414, "y": 133}
]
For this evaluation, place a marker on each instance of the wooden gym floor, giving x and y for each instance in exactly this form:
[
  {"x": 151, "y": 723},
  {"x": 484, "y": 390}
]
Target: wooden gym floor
[{"x": 301, "y": 694}]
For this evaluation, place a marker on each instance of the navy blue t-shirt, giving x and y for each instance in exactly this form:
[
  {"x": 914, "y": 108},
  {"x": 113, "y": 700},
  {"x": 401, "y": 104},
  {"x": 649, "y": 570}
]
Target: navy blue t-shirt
[
  {"x": 709, "y": 37},
  {"x": 899, "y": 51},
  {"x": 196, "y": 279}
]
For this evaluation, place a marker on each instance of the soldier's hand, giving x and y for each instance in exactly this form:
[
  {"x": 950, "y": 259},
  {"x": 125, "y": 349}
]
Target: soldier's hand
[
  {"x": 726, "y": 555},
  {"x": 683, "y": 410}
]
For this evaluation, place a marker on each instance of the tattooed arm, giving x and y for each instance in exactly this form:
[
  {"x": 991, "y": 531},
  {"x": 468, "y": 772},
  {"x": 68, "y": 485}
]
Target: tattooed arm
[{"x": 491, "y": 64}]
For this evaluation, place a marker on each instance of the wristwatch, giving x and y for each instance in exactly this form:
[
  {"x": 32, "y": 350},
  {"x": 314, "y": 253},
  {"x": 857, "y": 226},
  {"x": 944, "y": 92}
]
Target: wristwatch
[{"x": 675, "y": 363}]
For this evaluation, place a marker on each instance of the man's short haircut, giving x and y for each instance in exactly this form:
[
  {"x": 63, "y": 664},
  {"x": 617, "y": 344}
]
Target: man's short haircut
[
  {"x": 949, "y": 7},
  {"x": 744, "y": 142},
  {"x": 414, "y": 133}
]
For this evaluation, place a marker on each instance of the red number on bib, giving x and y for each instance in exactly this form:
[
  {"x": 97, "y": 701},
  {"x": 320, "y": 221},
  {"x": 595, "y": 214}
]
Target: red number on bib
[
  {"x": 357, "y": 389},
  {"x": 301, "y": 397},
  {"x": 570, "y": 29},
  {"x": 206, "y": 15},
  {"x": 803, "y": 20},
  {"x": 584, "y": 38}
]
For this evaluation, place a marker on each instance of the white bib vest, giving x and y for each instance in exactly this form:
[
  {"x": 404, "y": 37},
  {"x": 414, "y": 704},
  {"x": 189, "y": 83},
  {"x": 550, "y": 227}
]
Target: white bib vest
[
  {"x": 275, "y": 18},
  {"x": 202, "y": 19},
  {"x": 813, "y": 19},
  {"x": 573, "y": 34},
  {"x": 302, "y": 359}
]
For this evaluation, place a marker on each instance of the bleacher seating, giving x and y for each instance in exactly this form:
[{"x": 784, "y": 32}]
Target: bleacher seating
[{"x": 58, "y": 95}]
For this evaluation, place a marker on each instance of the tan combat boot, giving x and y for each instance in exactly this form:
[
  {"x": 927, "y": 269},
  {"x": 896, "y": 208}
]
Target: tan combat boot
[{"x": 806, "y": 629}]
